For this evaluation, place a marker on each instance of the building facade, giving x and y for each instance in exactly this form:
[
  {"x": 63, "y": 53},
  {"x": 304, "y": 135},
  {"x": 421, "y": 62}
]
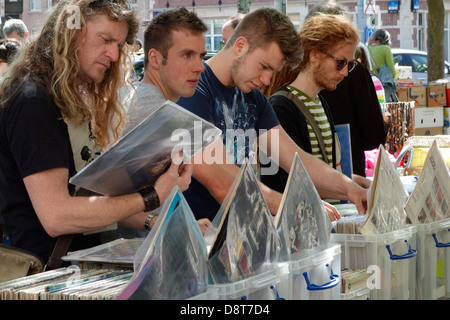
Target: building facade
[{"x": 406, "y": 20}]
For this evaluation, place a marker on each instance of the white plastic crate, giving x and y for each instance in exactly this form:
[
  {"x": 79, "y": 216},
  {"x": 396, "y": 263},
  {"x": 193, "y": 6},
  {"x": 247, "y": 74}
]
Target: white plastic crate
[
  {"x": 263, "y": 286},
  {"x": 390, "y": 258},
  {"x": 316, "y": 277},
  {"x": 360, "y": 294},
  {"x": 433, "y": 260},
  {"x": 210, "y": 294}
]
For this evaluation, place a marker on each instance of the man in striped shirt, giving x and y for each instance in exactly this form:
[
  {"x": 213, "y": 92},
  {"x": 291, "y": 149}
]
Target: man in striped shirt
[{"x": 329, "y": 43}]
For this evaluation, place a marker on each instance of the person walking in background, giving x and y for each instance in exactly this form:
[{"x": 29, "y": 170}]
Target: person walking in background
[
  {"x": 383, "y": 65},
  {"x": 16, "y": 29},
  {"x": 361, "y": 57}
]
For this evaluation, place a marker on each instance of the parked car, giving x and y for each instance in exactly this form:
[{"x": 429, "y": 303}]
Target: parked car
[
  {"x": 138, "y": 66},
  {"x": 418, "y": 62}
]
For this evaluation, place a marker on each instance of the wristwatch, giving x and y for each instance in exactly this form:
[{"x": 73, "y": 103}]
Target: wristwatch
[
  {"x": 147, "y": 221},
  {"x": 150, "y": 197}
]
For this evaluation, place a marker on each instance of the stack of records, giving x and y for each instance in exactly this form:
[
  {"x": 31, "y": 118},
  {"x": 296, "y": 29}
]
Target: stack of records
[{"x": 67, "y": 284}]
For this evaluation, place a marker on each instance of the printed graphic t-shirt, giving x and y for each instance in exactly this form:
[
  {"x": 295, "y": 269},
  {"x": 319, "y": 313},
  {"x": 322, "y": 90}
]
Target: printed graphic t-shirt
[{"x": 235, "y": 113}]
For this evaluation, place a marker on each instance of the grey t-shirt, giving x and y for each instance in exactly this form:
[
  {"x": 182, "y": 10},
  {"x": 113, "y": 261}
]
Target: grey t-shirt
[{"x": 141, "y": 102}]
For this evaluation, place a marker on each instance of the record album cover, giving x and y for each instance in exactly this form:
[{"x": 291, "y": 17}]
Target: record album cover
[{"x": 144, "y": 153}]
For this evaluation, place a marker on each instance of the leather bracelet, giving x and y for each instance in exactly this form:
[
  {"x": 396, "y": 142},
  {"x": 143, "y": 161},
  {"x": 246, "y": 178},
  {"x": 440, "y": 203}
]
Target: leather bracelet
[
  {"x": 147, "y": 221},
  {"x": 150, "y": 197}
]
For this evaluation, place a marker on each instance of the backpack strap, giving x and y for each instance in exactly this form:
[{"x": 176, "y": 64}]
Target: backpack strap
[
  {"x": 61, "y": 247},
  {"x": 305, "y": 111}
]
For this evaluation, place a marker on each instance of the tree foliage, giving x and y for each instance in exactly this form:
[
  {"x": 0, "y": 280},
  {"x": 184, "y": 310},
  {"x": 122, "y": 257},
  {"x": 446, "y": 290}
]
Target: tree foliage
[{"x": 243, "y": 6}]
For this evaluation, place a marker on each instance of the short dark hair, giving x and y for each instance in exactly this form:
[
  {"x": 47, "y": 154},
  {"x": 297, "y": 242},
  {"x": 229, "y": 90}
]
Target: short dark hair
[
  {"x": 382, "y": 36},
  {"x": 157, "y": 31},
  {"x": 266, "y": 25},
  {"x": 8, "y": 49}
]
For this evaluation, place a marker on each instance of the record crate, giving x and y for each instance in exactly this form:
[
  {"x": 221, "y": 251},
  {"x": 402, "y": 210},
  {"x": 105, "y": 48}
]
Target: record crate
[
  {"x": 262, "y": 286},
  {"x": 433, "y": 260},
  {"x": 315, "y": 277},
  {"x": 359, "y": 294},
  {"x": 210, "y": 294},
  {"x": 389, "y": 258}
]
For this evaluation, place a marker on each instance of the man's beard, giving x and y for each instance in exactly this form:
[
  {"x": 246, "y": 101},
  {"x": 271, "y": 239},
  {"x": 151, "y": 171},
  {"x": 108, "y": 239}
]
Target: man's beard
[
  {"x": 236, "y": 64},
  {"x": 323, "y": 82}
]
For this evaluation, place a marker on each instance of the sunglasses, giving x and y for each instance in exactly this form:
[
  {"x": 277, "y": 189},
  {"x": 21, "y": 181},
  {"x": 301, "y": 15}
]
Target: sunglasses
[{"x": 342, "y": 63}]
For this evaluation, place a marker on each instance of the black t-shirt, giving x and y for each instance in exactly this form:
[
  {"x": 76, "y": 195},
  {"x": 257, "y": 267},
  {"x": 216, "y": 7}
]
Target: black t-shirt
[{"x": 33, "y": 138}]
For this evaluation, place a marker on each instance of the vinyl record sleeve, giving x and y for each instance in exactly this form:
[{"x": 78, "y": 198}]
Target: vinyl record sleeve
[
  {"x": 119, "y": 251},
  {"x": 245, "y": 240},
  {"x": 144, "y": 153},
  {"x": 429, "y": 201},
  {"x": 171, "y": 262},
  {"x": 301, "y": 221},
  {"x": 386, "y": 199}
]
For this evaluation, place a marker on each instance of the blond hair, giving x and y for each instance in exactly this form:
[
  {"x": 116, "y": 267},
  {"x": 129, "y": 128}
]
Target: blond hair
[
  {"x": 322, "y": 32},
  {"x": 51, "y": 61},
  {"x": 319, "y": 32}
]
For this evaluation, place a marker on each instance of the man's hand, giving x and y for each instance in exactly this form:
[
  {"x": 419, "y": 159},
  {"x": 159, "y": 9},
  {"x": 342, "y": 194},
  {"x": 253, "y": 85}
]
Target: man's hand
[
  {"x": 179, "y": 174},
  {"x": 331, "y": 210}
]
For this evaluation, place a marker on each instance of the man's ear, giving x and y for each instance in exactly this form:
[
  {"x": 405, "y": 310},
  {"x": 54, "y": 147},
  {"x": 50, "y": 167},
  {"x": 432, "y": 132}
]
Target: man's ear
[
  {"x": 241, "y": 46},
  {"x": 154, "y": 58},
  {"x": 315, "y": 56}
]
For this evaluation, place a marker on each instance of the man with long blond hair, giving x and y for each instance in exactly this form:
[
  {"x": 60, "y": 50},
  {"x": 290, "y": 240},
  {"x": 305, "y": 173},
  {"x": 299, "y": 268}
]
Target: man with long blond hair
[{"x": 58, "y": 110}]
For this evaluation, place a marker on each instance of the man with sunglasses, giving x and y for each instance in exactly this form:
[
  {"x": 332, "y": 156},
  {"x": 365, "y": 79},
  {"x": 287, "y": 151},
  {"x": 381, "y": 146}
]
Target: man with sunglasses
[
  {"x": 228, "y": 95},
  {"x": 59, "y": 108},
  {"x": 355, "y": 101},
  {"x": 329, "y": 43}
]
